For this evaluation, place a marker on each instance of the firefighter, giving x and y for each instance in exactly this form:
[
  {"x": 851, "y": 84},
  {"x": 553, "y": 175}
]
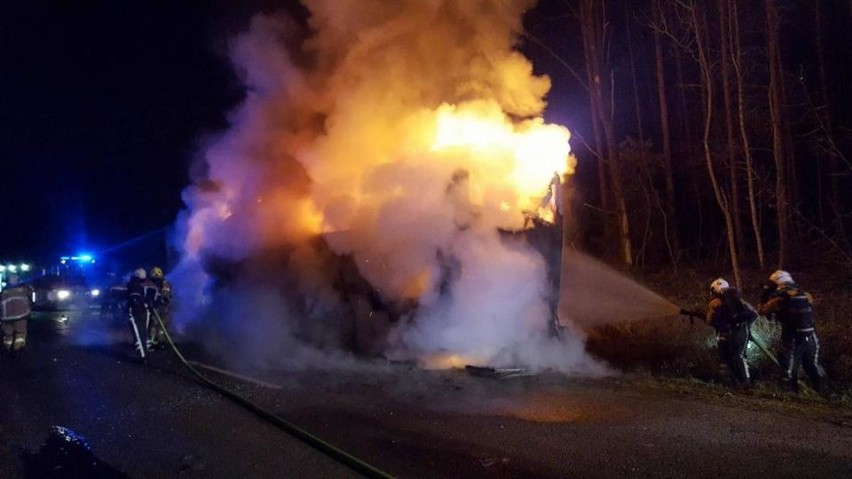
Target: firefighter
[
  {"x": 140, "y": 292},
  {"x": 162, "y": 306},
  {"x": 784, "y": 301},
  {"x": 15, "y": 308},
  {"x": 731, "y": 317},
  {"x": 114, "y": 304}
]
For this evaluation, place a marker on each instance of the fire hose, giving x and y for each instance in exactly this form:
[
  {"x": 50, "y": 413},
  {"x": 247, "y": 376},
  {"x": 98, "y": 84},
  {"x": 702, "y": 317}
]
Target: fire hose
[{"x": 322, "y": 446}]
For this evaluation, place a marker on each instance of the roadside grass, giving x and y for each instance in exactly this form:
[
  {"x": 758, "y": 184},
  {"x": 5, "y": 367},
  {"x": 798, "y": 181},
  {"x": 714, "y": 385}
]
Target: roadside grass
[
  {"x": 762, "y": 398},
  {"x": 676, "y": 349}
]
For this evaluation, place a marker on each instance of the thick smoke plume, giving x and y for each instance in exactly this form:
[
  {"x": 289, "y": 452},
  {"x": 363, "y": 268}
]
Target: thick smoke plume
[{"x": 404, "y": 135}]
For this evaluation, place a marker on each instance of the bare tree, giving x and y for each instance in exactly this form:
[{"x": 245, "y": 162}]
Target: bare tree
[
  {"x": 778, "y": 140},
  {"x": 699, "y": 29},
  {"x": 730, "y": 143},
  {"x": 737, "y": 63},
  {"x": 637, "y": 106},
  {"x": 592, "y": 14},
  {"x": 827, "y": 118},
  {"x": 670, "y": 219}
]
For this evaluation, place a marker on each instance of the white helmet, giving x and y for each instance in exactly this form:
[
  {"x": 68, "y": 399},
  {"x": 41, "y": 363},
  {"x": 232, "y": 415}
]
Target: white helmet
[
  {"x": 719, "y": 285},
  {"x": 139, "y": 273},
  {"x": 781, "y": 278}
]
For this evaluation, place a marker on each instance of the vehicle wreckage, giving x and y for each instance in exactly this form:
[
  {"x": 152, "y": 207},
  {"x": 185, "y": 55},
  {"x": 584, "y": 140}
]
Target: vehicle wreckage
[{"x": 354, "y": 315}]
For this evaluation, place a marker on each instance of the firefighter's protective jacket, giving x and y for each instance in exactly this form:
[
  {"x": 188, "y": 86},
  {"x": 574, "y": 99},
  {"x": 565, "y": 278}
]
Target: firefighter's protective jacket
[
  {"x": 15, "y": 303},
  {"x": 141, "y": 292},
  {"x": 792, "y": 307},
  {"x": 728, "y": 311},
  {"x": 164, "y": 293}
]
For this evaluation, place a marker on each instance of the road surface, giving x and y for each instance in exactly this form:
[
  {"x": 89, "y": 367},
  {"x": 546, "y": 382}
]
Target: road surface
[{"x": 155, "y": 420}]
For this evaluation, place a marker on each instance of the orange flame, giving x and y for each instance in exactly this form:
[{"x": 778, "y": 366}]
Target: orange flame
[
  {"x": 447, "y": 361},
  {"x": 522, "y": 156}
]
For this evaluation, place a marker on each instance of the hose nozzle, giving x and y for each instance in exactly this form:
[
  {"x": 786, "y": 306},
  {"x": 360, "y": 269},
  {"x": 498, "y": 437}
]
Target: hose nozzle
[{"x": 691, "y": 314}]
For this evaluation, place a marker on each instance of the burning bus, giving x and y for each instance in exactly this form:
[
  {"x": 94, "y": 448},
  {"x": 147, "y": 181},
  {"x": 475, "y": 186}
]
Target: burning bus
[{"x": 382, "y": 182}]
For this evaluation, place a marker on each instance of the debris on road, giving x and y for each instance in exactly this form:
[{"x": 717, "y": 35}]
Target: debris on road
[{"x": 497, "y": 373}]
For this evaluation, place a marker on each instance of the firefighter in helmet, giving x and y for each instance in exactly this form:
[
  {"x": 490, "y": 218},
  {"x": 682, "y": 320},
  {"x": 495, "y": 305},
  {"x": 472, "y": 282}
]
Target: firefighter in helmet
[
  {"x": 141, "y": 292},
  {"x": 15, "y": 309},
  {"x": 784, "y": 301},
  {"x": 162, "y": 307},
  {"x": 731, "y": 317}
]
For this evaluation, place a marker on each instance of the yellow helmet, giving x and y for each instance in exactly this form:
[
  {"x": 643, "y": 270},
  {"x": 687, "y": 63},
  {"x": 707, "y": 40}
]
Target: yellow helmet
[{"x": 156, "y": 272}]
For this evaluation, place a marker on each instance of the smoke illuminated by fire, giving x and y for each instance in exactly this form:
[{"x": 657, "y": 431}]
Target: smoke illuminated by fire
[{"x": 406, "y": 134}]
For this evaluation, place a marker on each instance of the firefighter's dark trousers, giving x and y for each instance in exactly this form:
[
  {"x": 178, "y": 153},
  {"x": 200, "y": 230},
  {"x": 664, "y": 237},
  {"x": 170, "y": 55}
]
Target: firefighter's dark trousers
[
  {"x": 14, "y": 334},
  {"x": 139, "y": 328},
  {"x": 732, "y": 353},
  {"x": 801, "y": 349},
  {"x": 785, "y": 349}
]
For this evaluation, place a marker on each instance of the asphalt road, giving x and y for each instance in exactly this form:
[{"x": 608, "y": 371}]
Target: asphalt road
[{"x": 155, "y": 420}]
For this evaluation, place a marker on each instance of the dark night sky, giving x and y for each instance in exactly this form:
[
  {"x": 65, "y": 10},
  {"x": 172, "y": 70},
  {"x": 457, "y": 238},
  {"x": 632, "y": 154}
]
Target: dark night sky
[
  {"x": 102, "y": 108},
  {"x": 102, "y": 105}
]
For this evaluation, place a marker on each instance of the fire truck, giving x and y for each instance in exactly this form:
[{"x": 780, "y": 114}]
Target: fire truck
[{"x": 71, "y": 283}]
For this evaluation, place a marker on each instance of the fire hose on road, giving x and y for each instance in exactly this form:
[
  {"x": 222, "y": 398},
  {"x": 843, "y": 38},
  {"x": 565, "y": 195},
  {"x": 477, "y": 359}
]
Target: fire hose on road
[{"x": 324, "y": 447}]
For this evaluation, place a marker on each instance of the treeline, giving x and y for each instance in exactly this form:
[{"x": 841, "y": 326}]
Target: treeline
[{"x": 717, "y": 127}]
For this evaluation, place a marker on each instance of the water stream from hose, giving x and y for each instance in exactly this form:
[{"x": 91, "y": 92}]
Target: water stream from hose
[{"x": 591, "y": 294}]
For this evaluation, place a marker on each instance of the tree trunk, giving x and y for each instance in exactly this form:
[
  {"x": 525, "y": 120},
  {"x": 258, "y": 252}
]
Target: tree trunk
[
  {"x": 707, "y": 80},
  {"x": 688, "y": 152},
  {"x": 599, "y": 144},
  {"x": 602, "y": 171},
  {"x": 591, "y": 25},
  {"x": 730, "y": 143},
  {"x": 792, "y": 185},
  {"x": 836, "y": 197},
  {"x": 746, "y": 147},
  {"x": 670, "y": 221},
  {"x": 638, "y": 108},
  {"x": 778, "y": 143}
]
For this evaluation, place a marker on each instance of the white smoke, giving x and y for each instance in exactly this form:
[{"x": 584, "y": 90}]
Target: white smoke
[{"x": 336, "y": 136}]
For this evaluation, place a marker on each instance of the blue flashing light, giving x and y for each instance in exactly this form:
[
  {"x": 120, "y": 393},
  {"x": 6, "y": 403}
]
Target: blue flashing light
[
  {"x": 86, "y": 258},
  {"x": 79, "y": 259}
]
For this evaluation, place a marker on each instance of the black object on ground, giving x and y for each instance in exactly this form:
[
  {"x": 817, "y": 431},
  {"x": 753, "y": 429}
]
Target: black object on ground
[
  {"x": 64, "y": 455},
  {"x": 497, "y": 373}
]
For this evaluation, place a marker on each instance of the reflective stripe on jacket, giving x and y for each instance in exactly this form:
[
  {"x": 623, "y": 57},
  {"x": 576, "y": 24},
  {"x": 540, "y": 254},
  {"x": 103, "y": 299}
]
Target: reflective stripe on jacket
[{"x": 15, "y": 303}]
